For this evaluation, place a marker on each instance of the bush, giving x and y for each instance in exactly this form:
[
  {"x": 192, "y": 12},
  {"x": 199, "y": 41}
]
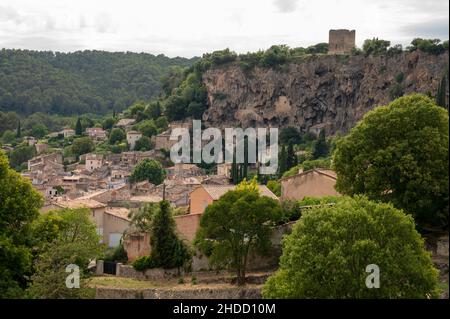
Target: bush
[
  {"x": 327, "y": 253},
  {"x": 143, "y": 263}
]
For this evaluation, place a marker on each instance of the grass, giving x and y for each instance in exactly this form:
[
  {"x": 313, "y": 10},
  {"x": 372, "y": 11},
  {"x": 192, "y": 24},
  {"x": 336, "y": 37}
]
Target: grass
[{"x": 120, "y": 282}]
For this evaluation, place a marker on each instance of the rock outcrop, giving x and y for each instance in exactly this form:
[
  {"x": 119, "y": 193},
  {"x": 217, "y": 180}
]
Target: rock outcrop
[{"x": 332, "y": 91}]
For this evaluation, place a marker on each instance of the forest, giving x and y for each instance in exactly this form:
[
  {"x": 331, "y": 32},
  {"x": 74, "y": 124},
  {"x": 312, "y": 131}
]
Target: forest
[{"x": 80, "y": 82}]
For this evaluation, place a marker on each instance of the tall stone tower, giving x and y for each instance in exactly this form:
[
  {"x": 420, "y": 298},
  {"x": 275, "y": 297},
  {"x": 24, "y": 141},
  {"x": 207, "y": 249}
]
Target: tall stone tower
[{"x": 341, "y": 41}]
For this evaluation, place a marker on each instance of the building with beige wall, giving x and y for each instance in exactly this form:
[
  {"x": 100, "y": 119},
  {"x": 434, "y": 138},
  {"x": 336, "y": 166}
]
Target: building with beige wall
[
  {"x": 132, "y": 137},
  {"x": 205, "y": 195},
  {"x": 312, "y": 183},
  {"x": 93, "y": 162},
  {"x": 224, "y": 169}
]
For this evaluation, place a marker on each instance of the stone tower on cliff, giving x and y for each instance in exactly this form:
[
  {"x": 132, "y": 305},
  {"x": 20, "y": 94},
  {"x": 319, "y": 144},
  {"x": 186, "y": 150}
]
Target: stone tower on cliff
[{"x": 341, "y": 41}]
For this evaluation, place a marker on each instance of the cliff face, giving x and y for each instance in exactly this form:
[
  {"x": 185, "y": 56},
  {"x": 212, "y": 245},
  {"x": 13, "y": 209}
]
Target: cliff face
[{"x": 332, "y": 92}]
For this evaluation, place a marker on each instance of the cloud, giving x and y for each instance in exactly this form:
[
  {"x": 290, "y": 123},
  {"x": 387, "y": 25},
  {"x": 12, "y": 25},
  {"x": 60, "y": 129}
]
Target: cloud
[
  {"x": 286, "y": 6},
  {"x": 427, "y": 29}
]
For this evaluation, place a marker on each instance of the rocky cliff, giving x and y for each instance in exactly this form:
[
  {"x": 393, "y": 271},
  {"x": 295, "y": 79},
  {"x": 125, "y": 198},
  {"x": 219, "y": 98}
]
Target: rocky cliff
[{"x": 321, "y": 91}]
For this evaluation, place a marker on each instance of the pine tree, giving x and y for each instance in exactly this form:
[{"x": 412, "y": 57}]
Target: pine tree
[
  {"x": 19, "y": 130},
  {"x": 114, "y": 114},
  {"x": 282, "y": 161},
  {"x": 234, "y": 171},
  {"x": 78, "y": 128},
  {"x": 245, "y": 169}
]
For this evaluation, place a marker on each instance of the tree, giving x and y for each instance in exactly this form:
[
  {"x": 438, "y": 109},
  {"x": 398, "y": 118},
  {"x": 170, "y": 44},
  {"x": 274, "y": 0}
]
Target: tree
[
  {"x": 82, "y": 145},
  {"x": 375, "y": 46},
  {"x": 290, "y": 135},
  {"x": 19, "y": 206},
  {"x": 19, "y": 130},
  {"x": 20, "y": 155},
  {"x": 117, "y": 135},
  {"x": 108, "y": 123},
  {"x": 399, "y": 154},
  {"x": 291, "y": 158},
  {"x": 275, "y": 187},
  {"x": 441, "y": 95},
  {"x": 75, "y": 242},
  {"x": 39, "y": 130},
  {"x": 238, "y": 223},
  {"x": 78, "y": 128},
  {"x": 320, "y": 146},
  {"x": 148, "y": 169},
  {"x": 148, "y": 128},
  {"x": 168, "y": 251},
  {"x": 327, "y": 253},
  {"x": 282, "y": 161},
  {"x": 432, "y": 46},
  {"x": 144, "y": 144}
]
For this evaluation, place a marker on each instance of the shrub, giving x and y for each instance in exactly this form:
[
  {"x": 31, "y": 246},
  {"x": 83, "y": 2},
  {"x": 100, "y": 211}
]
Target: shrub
[
  {"x": 327, "y": 253},
  {"x": 143, "y": 263}
]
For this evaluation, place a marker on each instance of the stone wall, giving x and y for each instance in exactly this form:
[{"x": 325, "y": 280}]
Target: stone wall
[
  {"x": 341, "y": 41},
  {"x": 180, "y": 293}
]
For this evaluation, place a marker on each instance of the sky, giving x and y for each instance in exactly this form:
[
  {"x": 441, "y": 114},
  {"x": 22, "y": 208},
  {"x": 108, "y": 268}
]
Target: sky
[{"x": 192, "y": 27}]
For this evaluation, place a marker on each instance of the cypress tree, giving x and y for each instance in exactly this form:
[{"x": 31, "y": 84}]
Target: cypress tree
[
  {"x": 168, "y": 251},
  {"x": 234, "y": 174},
  {"x": 291, "y": 158},
  {"x": 441, "y": 93},
  {"x": 321, "y": 146},
  {"x": 78, "y": 128},
  {"x": 19, "y": 130},
  {"x": 245, "y": 169},
  {"x": 282, "y": 161}
]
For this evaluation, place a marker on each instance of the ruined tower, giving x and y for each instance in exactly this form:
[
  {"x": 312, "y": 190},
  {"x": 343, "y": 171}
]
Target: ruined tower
[{"x": 341, "y": 41}]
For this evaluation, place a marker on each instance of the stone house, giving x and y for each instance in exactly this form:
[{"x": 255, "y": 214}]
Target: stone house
[
  {"x": 181, "y": 170},
  {"x": 111, "y": 222},
  {"x": 132, "y": 137},
  {"x": 46, "y": 162},
  {"x": 162, "y": 141},
  {"x": 224, "y": 169},
  {"x": 67, "y": 132},
  {"x": 205, "y": 195},
  {"x": 312, "y": 183},
  {"x": 120, "y": 174},
  {"x": 93, "y": 162},
  {"x": 125, "y": 123},
  {"x": 96, "y": 133},
  {"x": 40, "y": 147}
]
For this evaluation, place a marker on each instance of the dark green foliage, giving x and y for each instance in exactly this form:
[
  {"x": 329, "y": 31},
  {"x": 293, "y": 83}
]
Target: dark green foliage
[
  {"x": 19, "y": 207},
  {"x": 168, "y": 251},
  {"x": 78, "y": 128},
  {"x": 108, "y": 123},
  {"x": 399, "y": 154},
  {"x": 117, "y": 135},
  {"x": 282, "y": 161},
  {"x": 143, "y": 144},
  {"x": 375, "y": 46},
  {"x": 291, "y": 158},
  {"x": 150, "y": 170},
  {"x": 290, "y": 135},
  {"x": 19, "y": 131},
  {"x": 117, "y": 254},
  {"x": 80, "y": 82},
  {"x": 39, "y": 130},
  {"x": 327, "y": 253},
  {"x": 395, "y": 91},
  {"x": 144, "y": 263},
  {"x": 432, "y": 46},
  {"x": 321, "y": 148},
  {"x": 239, "y": 222},
  {"x": 21, "y": 155},
  {"x": 82, "y": 145},
  {"x": 441, "y": 95}
]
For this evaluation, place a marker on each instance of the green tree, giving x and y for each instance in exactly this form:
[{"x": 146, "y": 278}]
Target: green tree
[
  {"x": 239, "y": 222},
  {"x": 291, "y": 158},
  {"x": 108, "y": 123},
  {"x": 19, "y": 206},
  {"x": 39, "y": 130},
  {"x": 117, "y": 135},
  {"x": 148, "y": 128},
  {"x": 441, "y": 95},
  {"x": 275, "y": 187},
  {"x": 82, "y": 145},
  {"x": 327, "y": 253},
  {"x": 144, "y": 144},
  {"x": 320, "y": 146},
  {"x": 78, "y": 128},
  {"x": 290, "y": 135},
  {"x": 375, "y": 46},
  {"x": 150, "y": 170},
  {"x": 399, "y": 154},
  {"x": 19, "y": 130},
  {"x": 168, "y": 251},
  {"x": 75, "y": 242},
  {"x": 20, "y": 155},
  {"x": 282, "y": 161}
]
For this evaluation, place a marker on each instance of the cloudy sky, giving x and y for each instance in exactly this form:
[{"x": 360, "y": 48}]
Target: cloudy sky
[{"x": 192, "y": 27}]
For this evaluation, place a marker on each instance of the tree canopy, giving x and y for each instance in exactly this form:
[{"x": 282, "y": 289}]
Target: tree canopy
[
  {"x": 329, "y": 249},
  {"x": 150, "y": 170},
  {"x": 399, "y": 153}
]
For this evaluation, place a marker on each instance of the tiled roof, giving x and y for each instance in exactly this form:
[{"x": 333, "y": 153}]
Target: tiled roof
[
  {"x": 217, "y": 191},
  {"x": 79, "y": 203},
  {"x": 120, "y": 212}
]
